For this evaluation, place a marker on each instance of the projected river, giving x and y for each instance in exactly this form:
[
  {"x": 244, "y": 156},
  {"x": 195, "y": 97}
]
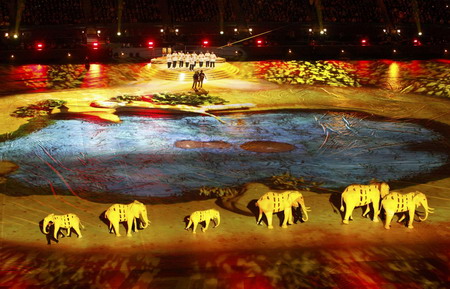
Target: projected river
[{"x": 139, "y": 156}]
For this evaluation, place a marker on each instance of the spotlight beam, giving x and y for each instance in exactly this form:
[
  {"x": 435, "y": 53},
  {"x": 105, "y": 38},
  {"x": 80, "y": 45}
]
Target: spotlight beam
[{"x": 253, "y": 36}]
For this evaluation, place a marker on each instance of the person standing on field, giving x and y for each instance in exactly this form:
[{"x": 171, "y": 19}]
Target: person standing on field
[
  {"x": 201, "y": 77},
  {"x": 207, "y": 58},
  {"x": 195, "y": 80},
  {"x": 174, "y": 59},
  {"x": 169, "y": 60},
  {"x": 212, "y": 60}
]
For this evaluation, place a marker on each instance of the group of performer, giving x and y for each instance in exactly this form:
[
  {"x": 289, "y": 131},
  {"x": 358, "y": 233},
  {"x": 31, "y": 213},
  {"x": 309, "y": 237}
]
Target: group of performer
[{"x": 190, "y": 60}]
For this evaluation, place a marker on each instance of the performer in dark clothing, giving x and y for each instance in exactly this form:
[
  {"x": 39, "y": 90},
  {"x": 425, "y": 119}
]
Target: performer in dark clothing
[
  {"x": 201, "y": 77},
  {"x": 195, "y": 80}
]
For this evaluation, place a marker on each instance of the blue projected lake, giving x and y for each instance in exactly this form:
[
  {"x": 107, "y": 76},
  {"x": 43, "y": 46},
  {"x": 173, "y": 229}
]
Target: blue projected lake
[{"x": 139, "y": 156}]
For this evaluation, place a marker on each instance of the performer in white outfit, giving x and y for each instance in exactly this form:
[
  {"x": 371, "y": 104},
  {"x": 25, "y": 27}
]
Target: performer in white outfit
[
  {"x": 212, "y": 59},
  {"x": 207, "y": 58},
  {"x": 169, "y": 59},
  {"x": 174, "y": 59},
  {"x": 201, "y": 59},
  {"x": 180, "y": 59},
  {"x": 187, "y": 59},
  {"x": 193, "y": 60}
]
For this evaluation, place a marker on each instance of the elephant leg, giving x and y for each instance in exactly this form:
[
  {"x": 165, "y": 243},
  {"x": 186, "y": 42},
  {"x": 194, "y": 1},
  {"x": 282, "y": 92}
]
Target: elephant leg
[
  {"x": 259, "y": 217},
  {"x": 375, "y": 210},
  {"x": 55, "y": 233},
  {"x": 129, "y": 225},
  {"x": 188, "y": 225},
  {"x": 269, "y": 219},
  {"x": 78, "y": 231},
  {"x": 388, "y": 220},
  {"x": 287, "y": 217},
  {"x": 366, "y": 211},
  {"x": 116, "y": 228},
  {"x": 348, "y": 213},
  {"x": 206, "y": 225},
  {"x": 195, "y": 227},
  {"x": 411, "y": 219}
]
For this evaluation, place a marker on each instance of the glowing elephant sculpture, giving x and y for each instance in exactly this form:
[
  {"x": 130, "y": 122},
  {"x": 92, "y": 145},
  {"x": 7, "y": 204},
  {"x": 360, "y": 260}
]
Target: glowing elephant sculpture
[
  {"x": 362, "y": 195},
  {"x": 401, "y": 203},
  {"x": 203, "y": 216},
  {"x": 272, "y": 202},
  {"x": 67, "y": 222},
  {"x": 118, "y": 213}
]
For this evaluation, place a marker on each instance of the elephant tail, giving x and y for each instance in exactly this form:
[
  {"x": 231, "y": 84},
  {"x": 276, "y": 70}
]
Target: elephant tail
[
  {"x": 82, "y": 226},
  {"x": 342, "y": 204}
]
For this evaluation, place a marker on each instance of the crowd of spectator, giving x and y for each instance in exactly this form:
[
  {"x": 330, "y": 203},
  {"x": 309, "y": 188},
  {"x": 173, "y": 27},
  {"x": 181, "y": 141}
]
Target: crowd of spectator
[
  {"x": 4, "y": 14},
  {"x": 53, "y": 12},
  {"x": 193, "y": 10},
  {"x": 434, "y": 11},
  {"x": 104, "y": 11},
  {"x": 141, "y": 11},
  {"x": 352, "y": 11},
  {"x": 400, "y": 11},
  {"x": 277, "y": 10}
]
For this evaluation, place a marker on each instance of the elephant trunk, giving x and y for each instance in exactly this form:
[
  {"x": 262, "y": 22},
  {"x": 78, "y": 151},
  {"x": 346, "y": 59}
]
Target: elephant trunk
[
  {"x": 218, "y": 220},
  {"x": 427, "y": 210},
  {"x": 45, "y": 225},
  {"x": 144, "y": 220},
  {"x": 305, "y": 213}
]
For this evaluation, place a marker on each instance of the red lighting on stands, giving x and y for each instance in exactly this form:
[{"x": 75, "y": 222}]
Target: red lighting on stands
[{"x": 39, "y": 46}]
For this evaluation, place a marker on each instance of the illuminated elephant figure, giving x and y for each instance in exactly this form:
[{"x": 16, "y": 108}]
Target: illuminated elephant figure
[
  {"x": 67, "y": 222},
  {"x": 203, "y": 216},
  {"x": 402, "y": 203},
  {"x": 362, "y": 195},
  {"x": 126, "y": 213},
  {"x": 272, "y": 202}
]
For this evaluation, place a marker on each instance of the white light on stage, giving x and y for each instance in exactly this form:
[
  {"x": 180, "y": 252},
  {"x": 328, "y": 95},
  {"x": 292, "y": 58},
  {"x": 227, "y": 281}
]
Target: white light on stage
[
  {"x": 398, "y": 31},
  {"x": 162, "y": 30},
  {"x": 118, "y": 33},
  {"x": 99, "y": 31},
  {"x": 15, "y": 36},
  {"x": 176, "y": 30},
  {"x": 181, "y": 77},
  {"x": 420, "y": 33},
  {"x": 221, "y": 32},
  {"x": 310, "y": 29}
]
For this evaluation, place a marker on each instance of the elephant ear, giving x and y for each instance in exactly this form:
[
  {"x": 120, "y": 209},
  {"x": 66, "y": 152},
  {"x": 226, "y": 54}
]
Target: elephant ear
[{"x": 294, "y": 198}]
